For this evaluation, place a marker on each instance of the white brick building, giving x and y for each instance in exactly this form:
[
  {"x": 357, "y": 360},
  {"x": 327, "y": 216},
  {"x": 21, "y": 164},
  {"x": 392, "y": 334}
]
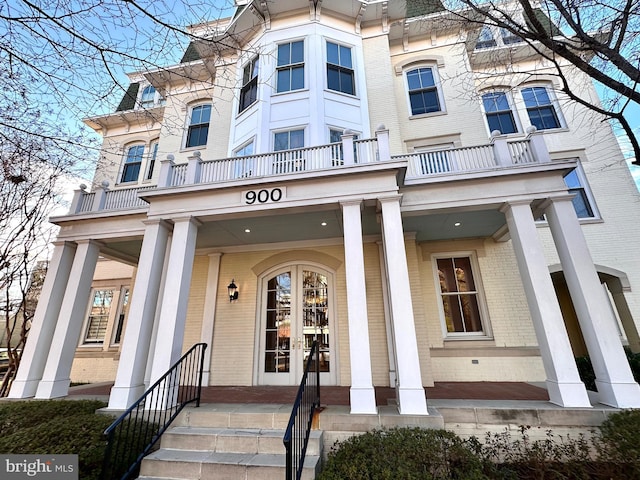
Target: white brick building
[{"x": 335, "y": 161}]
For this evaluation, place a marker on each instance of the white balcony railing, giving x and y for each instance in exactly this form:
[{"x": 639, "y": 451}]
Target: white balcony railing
[{"x": 498, "y": 155}]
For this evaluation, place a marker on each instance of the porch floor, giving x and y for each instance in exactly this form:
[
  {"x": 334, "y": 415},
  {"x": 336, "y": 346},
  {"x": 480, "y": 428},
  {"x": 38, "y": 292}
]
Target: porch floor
[{"x": 333, "y": 395}]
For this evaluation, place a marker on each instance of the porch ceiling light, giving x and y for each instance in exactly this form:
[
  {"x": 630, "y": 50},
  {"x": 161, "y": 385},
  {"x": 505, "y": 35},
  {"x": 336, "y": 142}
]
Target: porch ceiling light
[{"x": 233, "y": 291}]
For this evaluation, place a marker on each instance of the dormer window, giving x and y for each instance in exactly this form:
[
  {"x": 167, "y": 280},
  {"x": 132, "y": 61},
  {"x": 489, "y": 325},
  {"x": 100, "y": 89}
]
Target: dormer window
[
  {"x": 150, "y": 97},
  {"x": 493, "y": 36}
]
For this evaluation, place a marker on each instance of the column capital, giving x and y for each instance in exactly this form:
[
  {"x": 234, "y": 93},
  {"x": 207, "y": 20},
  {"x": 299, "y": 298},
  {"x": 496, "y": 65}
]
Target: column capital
[
  {"x": 186, "y": 218},
  {"x": 157, "y": 221},
  {"x": 512, "y": 203},
  {"x": 561, "y": 197},
  {"x": 390, "y": 198},
  {"x": 349, "y": 203},
  {"x": 64, "y": 243}
]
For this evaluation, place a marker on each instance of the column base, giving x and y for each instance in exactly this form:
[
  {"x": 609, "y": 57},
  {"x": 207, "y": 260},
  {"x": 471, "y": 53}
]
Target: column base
[
  {"x": 619, "y": 395},
  {"x": 52, "y": 389},
  {"x": 23, "y": 389},
  {"x": 412, "y": 401},
  {"x": 122, "y": 398},
  {"x": 566, "y": 394},
  {"x": 363, "y": 400}
]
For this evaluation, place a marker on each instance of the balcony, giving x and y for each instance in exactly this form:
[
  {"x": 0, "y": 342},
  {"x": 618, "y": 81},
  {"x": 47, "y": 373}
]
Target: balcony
[{"x": 498, "y": 157}]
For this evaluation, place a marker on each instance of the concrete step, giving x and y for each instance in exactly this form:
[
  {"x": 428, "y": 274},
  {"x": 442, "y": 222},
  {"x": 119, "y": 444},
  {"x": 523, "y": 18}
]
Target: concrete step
[
  {"x": 194, "y": 465},
  {"x": 233, "y": 440},
  {"x": 219, "y": 415}
]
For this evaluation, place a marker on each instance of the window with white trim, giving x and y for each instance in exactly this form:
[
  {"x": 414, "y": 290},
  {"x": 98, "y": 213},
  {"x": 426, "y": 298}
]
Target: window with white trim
[
  {"x": 493, "y": 36},
  {"x": 290, "y": 69},
  {"x": 290, "y": 157},
  {"x": 122, "y": 315},
  {"x": 150, "y": 97},
  {"x": 288, "y": 140},
  {"x": 249, "y": 89},
  {"x": 198, "y": 126},
  {"x": 582, "y": 201},
  {"x": 98, "y": 318},
  {"x": 424, "y": 96},
  {"x": 340, "y": 73},
  {"x": 541, "y": 107},
  {"x": 132, "y": 163},
  {"x": 244, "y": 166},
  {"x": 153, "y": 155},
  {"x": 461, "y": 302},
  {"x": 499, "y": 113}
]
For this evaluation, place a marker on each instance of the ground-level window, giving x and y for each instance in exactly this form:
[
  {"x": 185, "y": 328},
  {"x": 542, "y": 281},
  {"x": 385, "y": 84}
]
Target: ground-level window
[
  {"x": 122, "y": 315},
  {"x": 460, "y": 298},
  {"x": 99, "y": 310}
]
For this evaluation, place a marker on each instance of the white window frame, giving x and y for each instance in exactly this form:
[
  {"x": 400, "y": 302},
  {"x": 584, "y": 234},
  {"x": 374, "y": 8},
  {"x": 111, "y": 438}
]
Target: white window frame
[
  {"x": 189, "y": 125},
  {"x": 512, "y": 107},
  {"x": 244, "y": 168},
  {"x": 152, "y": 159},
  {"x": 340, "y": 67},
  {"x": 253, "y": 68},
  {"x": 126, "y": 164},
  {"x": 437, "y": 84},
  {"x": 157, "y": 100},
  {"x": 85, "y": 341},
  {"x": 123, "y": 310},
  {"x": 479, "y": 295},
  {"x": 552, "y": 98},
  {"x": 290, "y": 67},
  {"x": 584, "y": 185}
]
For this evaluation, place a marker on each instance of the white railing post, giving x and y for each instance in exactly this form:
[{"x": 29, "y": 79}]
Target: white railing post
[
  {"x": 384, "y": 151},
  {"x": 77, "y": 199},
  {"x": 347, "y": 147},
  {"x": 166, "y": 166},
  {"x": 193, "y": 168},
  {"x": 538, "y": 145},
  {"x": 501, "y": 149},
  {"x": 100, "y": 195}
]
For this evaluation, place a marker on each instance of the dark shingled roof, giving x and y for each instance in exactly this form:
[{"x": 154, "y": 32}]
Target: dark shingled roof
[
  {"x": 548, "y": 25},
  {"x": 416, "y": 8},
  {"x": 190, "y": 54},
  {"x": 128, "y": 102}
]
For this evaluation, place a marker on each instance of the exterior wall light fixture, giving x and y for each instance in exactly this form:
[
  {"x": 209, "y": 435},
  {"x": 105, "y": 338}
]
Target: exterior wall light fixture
[{"x": 233, "y": 291}]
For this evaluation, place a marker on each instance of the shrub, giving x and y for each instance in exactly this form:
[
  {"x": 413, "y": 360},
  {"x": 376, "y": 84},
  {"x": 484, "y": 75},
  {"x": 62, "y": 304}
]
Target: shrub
[
  {"x": 56, "y": 427},
  {"x": 406, "y": 453},
  {"x": 618, "y": 444},
  {"x": 588, "y": 376}
]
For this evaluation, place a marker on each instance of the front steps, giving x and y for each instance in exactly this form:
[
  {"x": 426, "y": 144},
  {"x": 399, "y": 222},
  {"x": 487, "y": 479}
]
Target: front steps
[{"x": 228, "y": 441}]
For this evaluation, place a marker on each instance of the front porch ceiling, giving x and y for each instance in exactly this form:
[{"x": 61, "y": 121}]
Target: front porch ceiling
[{"x": 320, "y": 225}]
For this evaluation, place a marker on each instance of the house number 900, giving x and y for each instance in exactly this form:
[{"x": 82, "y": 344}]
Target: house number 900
[{"x": 263, "y": 196}]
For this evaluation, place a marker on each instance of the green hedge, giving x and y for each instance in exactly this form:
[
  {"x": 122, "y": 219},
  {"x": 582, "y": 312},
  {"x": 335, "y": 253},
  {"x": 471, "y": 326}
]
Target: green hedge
[
  {"x": 613, "y": 452},
  {"x": 588, "y": 376}
]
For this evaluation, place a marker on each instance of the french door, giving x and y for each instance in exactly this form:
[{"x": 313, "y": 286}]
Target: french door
[{"x": 296, "y": 310}]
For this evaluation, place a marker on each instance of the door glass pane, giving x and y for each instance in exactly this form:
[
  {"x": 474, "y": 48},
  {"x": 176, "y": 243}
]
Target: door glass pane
[
  {"x": 316, "y": 316},
  {"x": 278, "y": 327}
]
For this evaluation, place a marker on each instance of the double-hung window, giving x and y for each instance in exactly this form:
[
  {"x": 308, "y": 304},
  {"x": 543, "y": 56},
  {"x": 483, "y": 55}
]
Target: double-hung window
[
  {"x": 132, "y": 163},
  {"x": 423, "y": 92},
  {"x": 581, "y": 201},
  {"x": 499, "y": 113},
  {"x": 460, "y": 296},
  {"x": 198, "y": 126},
  {"x": 148, "y": 97},
  {"x": 249, "y": 89},
  {"x": 153, "y": 155},
  {"x": 244, "y": 166},
  {"x": 540, "y": 107},
  {"x": 340, "y": 74},
  {"x": 288, "y": 161},
  {"x": 99, "y": 311},
  {"x": 290, "y": 68}
]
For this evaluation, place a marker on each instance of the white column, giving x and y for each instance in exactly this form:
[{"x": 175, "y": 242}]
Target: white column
[
  {"x": 614, "y": 380},
  {"x": 55, "y": 378},
  {"x": 563, "y": 381},
  {"x": 173, "y": 310},
  {"x": 129, "y": 383},
  {"x": 36, "y": 350},
  {"x": 391, "y": 352},
  {"x": 363, "y": 398},
  {"x": 411, "y": 394},
  {"x": 209, "y": 317}
]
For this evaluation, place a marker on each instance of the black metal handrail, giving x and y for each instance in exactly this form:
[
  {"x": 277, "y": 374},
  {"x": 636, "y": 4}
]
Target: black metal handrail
[
  {"x": 134, "y": 434},
  {"x": 296, "y": 438}
]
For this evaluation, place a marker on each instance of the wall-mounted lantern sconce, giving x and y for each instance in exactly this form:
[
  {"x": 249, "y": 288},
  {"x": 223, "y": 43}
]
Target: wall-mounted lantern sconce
[{"x": 233, "y": 291}]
